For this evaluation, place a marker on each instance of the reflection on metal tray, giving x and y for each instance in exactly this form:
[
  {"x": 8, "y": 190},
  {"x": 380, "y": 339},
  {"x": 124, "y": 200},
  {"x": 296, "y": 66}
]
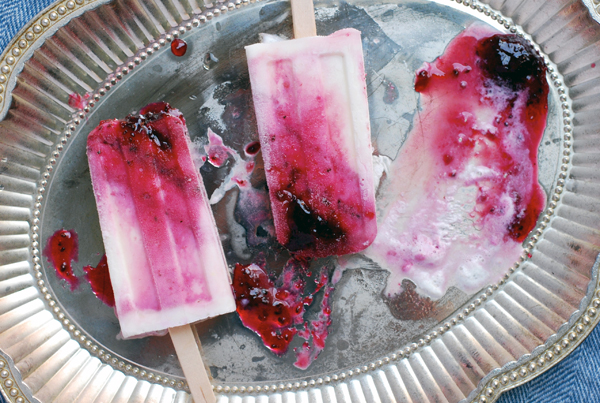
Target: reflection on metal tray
[{"x": 62, "y": 345}]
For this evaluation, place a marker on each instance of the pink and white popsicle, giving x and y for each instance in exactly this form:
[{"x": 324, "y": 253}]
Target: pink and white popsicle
[
  {"x": 164, "y": 254},
  {"x": 310, "y": 100},
  {"x": 165, "y": 258}
]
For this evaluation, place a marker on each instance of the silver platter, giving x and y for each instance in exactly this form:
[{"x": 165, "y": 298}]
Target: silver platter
[{"x": 61, "y": 346}]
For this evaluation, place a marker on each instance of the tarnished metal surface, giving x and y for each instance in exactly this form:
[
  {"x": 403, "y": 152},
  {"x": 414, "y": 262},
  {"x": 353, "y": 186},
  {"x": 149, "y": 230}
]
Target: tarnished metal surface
[{"x": 62, "y": 346}]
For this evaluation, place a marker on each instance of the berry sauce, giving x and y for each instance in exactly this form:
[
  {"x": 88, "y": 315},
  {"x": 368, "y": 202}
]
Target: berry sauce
[
  {"x": 178, "y": 47},
  {"x": 252, "y": 148},
  {"x": 77, "y": 101},
  {"x": 463, "y": 194},
  {"x": 306, "y": 226},
  {"x": 269, "y": 311},
  {"x": 216, "y": 151},
  {"x": 275, "y": 309},
  {"x": 61, "y": 250},
  {"x": 99, "y": 280},
  {"x": 315, "y": 333}
]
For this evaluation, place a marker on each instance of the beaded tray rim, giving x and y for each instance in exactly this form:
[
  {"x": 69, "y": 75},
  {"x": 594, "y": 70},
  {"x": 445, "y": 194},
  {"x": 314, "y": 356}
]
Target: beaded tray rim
[{"x": 569, "y": 336}]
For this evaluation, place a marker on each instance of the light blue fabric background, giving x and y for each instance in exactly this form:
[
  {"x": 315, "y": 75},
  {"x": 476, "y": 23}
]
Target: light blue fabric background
[{"x": 574, "y": 380}]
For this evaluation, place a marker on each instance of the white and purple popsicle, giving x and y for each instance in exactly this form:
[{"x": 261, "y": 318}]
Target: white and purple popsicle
[
  {"x": 164, "y": 254},
  {"x": 310, "y": 100}
]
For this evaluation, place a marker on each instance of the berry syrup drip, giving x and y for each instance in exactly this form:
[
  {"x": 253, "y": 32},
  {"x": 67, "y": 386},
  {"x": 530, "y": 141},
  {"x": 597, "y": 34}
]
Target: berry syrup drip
[
  {"x": 99, "y": 280},
  {"x": 61, "y": 250},
  {"x": 241, "y": 169},
  {"x": 252, "y": 148},
  {"x": 77, "y": 101},
  {"x": 274, "y": 311},
  {"x": 510, "y": 61},
  {"x": 503, "y": 75},
  {"x": 217, "y": 152},
  {"x": 178, "y": 47},
  {"x": 315, "y": 333}
]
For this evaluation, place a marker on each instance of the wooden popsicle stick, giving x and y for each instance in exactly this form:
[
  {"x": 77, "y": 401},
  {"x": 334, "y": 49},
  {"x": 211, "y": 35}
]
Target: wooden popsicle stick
[
  {"x": 189, "y": 352},
  {"x": 303, "y": 18}
]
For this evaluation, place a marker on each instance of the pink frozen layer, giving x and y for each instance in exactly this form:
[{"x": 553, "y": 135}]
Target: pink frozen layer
[
  {"x": 164, "y": 254},
  {"x": 313, "y": 121}
]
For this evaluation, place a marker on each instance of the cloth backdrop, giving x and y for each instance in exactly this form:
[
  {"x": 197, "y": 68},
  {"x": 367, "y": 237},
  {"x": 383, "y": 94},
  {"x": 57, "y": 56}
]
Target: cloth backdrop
[{"x": 574, "y": 380}]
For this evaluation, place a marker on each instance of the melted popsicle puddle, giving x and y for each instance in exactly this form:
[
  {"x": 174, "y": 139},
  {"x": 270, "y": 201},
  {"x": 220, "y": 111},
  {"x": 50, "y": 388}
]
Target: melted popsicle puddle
[{"x": 464, "y": 193}]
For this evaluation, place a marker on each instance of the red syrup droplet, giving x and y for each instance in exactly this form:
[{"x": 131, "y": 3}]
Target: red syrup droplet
[
  {"x": 252, "y": 148},
  {"x": 178, "y": 47},
  {"x": 62, "y": 249},
  {"x": 99, "y": 280}
]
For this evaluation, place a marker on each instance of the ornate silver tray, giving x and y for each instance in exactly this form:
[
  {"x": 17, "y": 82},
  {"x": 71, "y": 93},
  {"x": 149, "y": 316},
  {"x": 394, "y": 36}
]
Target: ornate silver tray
[{"x": 58, "y": 345}]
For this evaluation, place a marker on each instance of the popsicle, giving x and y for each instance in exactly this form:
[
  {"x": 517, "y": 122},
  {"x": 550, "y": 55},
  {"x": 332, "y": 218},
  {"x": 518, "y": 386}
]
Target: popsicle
[
  {"x": 164, "y": 254},
  {"x": 310, "y": 100}
]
